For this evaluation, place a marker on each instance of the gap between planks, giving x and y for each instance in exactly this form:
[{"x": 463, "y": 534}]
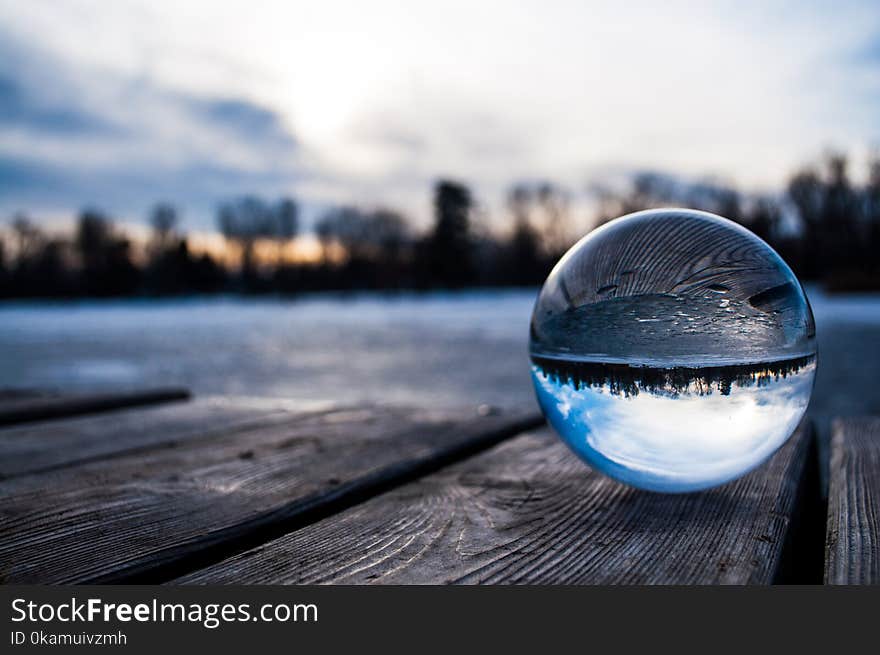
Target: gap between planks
[
  {"x": 528, "y": 511},
  {"x": 153, "y": 515},
  {"x": 39, "y": 448},
  {"x": 28, "y": 408}
]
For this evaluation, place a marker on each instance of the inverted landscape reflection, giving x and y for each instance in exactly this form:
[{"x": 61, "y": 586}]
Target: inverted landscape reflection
[{"x": 675, "y": 429}]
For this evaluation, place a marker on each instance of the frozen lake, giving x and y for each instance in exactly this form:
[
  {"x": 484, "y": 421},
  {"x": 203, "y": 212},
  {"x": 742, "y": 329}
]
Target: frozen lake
[
  {"x": 448, "y": 348},
  {"x": 443, "y": 349}
]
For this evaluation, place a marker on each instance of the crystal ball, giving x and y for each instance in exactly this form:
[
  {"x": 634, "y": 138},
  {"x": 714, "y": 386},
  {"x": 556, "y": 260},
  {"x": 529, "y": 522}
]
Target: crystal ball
[{"x": 673, "y": 350}]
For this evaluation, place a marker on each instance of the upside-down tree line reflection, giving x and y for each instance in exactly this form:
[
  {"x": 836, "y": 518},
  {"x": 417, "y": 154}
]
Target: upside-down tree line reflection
[
  {"x": 824, "y": 225},
  {"x": 627, "y": 380}
]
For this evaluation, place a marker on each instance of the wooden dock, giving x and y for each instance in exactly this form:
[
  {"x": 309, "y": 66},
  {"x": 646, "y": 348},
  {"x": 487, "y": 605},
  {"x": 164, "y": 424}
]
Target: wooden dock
[{"x": 156, "y": 487}]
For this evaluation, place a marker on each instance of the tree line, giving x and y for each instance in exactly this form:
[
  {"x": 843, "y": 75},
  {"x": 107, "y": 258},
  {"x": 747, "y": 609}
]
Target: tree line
[{"x": 826, "y": 227}]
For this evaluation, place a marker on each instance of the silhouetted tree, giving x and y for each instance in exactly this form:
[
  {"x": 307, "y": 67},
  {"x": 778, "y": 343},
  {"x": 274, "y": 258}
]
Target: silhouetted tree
[
  {"x": 390, "y": 245},
  {"x": 345, "y": 227},
  {"x": 48, "y": 272},
  {"x": 324, "y": 232},
  {"x": 389, "y": 234},
  {"x": 764, "y": 218},
  {"x": 554, "y": 203},
  {"x": 805, "y": 189},
  {"x": 242, "y": 222},
  {"x": 27, "y": 276},
  {"x": 872, "y": 203},
  {"x": 29, "y": 238},
  {"x": 649, "y": 189},
  {"x": 826, "y": 226},
  {"x": 287, "y": 219},
  {"x": 106, "y": 264},
  {"x": 169, "y": 268},
  {"x": 447, "y": 250},
  {"x": 840, "y": 221},
  {"x": 646, "y": 190},
  {"x": 5, "y": 290},
  {"x": 540, "y": 232},
  {"x": 286, "y": 224},
  {"x": 373, "y": 243},
  {"x": 835, "y": 239},
  {"x": 524, "y": 262},
  {"x": 247, "y": 219},
  {"x": 164, "y": 220}
]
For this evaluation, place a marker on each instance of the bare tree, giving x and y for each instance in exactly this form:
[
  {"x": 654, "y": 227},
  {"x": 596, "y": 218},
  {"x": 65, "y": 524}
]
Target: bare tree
[
  {"x": 163, "y": 219},
  {"x": 286, "y": 223},
  {"x": 449, "y": 255},
  {"x": 554, "y": 203},
  {"x": 247, "y": 219},
  {"x": 29, "y": 238}
]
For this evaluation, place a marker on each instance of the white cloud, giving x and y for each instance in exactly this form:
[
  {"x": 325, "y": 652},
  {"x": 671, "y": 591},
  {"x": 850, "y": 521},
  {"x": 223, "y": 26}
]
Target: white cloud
[
  {"x": 382, "y": 97},
  {"x": 681, "y": 442}
]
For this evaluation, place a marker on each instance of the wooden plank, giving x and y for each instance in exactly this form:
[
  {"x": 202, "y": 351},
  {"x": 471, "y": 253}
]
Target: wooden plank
[
  {"x": 45, "y": 446},
  {"x": 42, "y": 408},
  {"x": 529, "y": 511},
  {"x": 852, "y": 547},
  {"x": 159, "y": 513}
]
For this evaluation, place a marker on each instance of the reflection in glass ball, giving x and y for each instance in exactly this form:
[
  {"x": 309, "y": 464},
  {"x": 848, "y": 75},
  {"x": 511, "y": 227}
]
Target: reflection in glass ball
[{"x": 673, "y": 350}]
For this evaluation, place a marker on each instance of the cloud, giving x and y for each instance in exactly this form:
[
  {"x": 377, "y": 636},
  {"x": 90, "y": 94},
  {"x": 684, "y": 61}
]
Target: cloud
[
  {"x": 242, "y": 118},
  {"x": 73, "y": 136},
  {"x": 679, "y": 443},
  {"x": 18, "y": 109},
  {"x": 369, "y": 102}
]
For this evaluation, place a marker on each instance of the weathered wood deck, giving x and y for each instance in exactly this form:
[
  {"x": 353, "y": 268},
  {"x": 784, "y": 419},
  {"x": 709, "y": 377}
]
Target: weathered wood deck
[
  {"x": 853, "y": 544},
  {"x": 129, "y": 489}
]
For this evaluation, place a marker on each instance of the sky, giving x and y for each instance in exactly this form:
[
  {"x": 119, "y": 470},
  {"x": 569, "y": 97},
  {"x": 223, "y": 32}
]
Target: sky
[
  {"x": 121, "y": 104},
  {"x": 659, "y": 441}
]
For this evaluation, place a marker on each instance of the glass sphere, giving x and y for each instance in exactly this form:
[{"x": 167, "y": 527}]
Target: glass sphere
[{"x": 673, "y": 350}]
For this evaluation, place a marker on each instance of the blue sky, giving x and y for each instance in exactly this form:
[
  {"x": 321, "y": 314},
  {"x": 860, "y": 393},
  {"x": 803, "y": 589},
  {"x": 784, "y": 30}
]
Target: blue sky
[{"x": 119, "y": 104}]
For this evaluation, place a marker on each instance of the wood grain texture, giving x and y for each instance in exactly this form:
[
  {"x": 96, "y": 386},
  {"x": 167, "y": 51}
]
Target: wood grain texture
[
  {"x": 529, "y": 511},
  {"x": 852, "y": 548},
  {"x": 142, "y": 516},
  {"x": 50, "y": 445},
  {"x": 671, "y": 252},
  {"x": 41, "y": 408}
]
